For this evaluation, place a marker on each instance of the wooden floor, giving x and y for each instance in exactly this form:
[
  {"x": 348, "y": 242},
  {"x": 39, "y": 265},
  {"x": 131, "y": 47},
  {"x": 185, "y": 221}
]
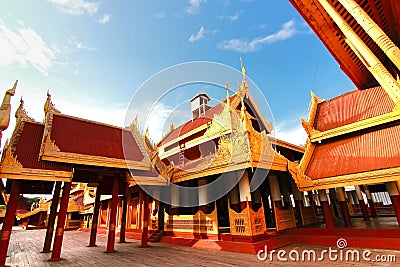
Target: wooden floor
[{"x": 25, "y": 247}]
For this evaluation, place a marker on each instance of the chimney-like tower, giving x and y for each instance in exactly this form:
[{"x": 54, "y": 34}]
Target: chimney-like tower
[{"x": 199, "y": 105}]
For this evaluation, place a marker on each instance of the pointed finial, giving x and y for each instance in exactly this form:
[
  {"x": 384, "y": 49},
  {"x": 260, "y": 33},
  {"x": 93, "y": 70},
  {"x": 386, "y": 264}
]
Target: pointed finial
[
  {"x": 12, "y": 90},
  {"x": 172, "y": 126},
  {"x": 243, "y": 69},
  {"x": 48, "y": 106},
  {"x": 228, "y": 98}
]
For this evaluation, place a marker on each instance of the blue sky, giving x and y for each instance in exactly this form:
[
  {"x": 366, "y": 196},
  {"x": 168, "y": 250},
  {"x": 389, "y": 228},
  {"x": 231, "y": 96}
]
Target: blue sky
[{"x": 94, "y": 55}]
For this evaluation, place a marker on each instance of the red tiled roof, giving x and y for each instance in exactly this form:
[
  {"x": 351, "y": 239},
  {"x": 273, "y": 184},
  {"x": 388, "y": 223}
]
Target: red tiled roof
[
  {"x": 191, "y": 125},
  {"x": 374, "y": 150},
  {"x": 79, "y": 136},
  {"x": 351, "y": 107},
  {"x": 28, "y": 148}
]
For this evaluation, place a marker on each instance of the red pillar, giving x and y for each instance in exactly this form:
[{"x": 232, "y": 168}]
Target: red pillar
[
  {"x": 394, "y": 193},
  {"x": 56, "y": 253},
  {"x": 95, "y": 219},
  {"x": 146, "y": 217},
  {"x": 52, "y": 218},
  {"x": 124, "y": 211},
  {"x": 343, "y": 206},
  {"x": 113, "y": 215},
  {"x": 370, "y": 202},
  {"x": 9, "y": 221},
  {"x": 363, "y": 207},
  {"x": 323, "y": 198}
]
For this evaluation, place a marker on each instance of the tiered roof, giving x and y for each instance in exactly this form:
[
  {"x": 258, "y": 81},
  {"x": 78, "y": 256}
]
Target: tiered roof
[{"x": 353, "y": 139}]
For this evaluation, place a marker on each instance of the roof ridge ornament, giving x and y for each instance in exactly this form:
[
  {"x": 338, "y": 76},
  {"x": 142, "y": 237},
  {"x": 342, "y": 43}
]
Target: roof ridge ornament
[
  {"x": 21, "y": 113},
  {"x": 49, "y": 106},
  {"x": 243, "y": 88}
]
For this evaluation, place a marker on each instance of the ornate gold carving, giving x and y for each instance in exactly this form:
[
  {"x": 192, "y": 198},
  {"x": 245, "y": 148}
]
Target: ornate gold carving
[
  {"x": 50, "y": 146},
  {"x": 247, "y": 222},
  {"x": 9, "y": 160},
  {"x": 199, "y": 223},
  {"x": 312, "y": 109}
]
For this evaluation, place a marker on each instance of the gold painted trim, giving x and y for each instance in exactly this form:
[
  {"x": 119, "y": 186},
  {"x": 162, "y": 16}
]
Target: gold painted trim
[
  {"x": 356, "y": 126},
  {"x": 305, "y": 183}
]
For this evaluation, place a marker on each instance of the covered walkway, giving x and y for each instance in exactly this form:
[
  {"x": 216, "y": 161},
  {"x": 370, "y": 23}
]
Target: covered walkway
[{"x": 25, "y": 247}]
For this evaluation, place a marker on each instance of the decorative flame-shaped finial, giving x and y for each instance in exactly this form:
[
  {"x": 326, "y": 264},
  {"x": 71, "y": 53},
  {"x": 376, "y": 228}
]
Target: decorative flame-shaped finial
[{"x": 243, "y": 69}]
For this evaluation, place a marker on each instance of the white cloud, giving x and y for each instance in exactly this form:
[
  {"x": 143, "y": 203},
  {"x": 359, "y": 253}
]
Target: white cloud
[
  {"x": 233, "y": 17},
  {"x": 105, "y": 19},
  {"x": 76, "y": 7},
  {"x": 245, "y": 46},
  {"x": 194, "y": 6},
  {"x": 81, "y": 46},
  {"x": 198, "y": 36},
  {"x": 291, "y": 130},
  {"x": 25, "y": 46},
  {"x": 78, "y": 45}
]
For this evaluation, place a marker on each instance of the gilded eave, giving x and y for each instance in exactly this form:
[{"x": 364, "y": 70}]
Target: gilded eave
[{"x": 11, "y": 168}]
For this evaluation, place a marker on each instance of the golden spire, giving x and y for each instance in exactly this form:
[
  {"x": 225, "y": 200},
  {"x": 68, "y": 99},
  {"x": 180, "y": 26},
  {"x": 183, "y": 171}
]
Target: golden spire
[
  {"x": 228, "y": 98},
  {"x": 243, "y": 69},
  {"x": 5, "y": 108}
]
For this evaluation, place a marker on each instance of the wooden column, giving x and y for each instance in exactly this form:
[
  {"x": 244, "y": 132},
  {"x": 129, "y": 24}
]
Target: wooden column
[
  {"x": 323, "y": 198},
  {"x": 275, "y": 190},
  {"x": 298, "y": 201},
  {"x": 95, "y": 219},
  {"x": 373, "y": 30},
  {"x": 364, "y": 53},
  {"x": 333, "y": 197},
  {"x": 113, "y": 215},
  {"x": 9, "y": 221},
  {"x": 361, "y": 202},
  {"x": 146, "y": 217},
  {"x": 234, "y": 198},
  {"x": 62, "y": 214},
  {"x": 285, "y": 191},
  {"x": 52, "y": 218},
  {"x": 124, "y": 211},
  {"x": 394, "y": 194},
  {"x": 343, "y": 206},
  {"x": 370, "y": 201},
  {"x": 244, "y": 190}
]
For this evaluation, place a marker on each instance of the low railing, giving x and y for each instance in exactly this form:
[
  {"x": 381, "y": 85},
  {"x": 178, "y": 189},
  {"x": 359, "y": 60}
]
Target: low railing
[
  {"x": 199, "y": 223},
  {"x": 247, "y": 222}
]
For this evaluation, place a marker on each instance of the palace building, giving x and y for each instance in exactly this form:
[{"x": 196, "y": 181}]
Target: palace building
[{"x": 220, "y": 180}]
